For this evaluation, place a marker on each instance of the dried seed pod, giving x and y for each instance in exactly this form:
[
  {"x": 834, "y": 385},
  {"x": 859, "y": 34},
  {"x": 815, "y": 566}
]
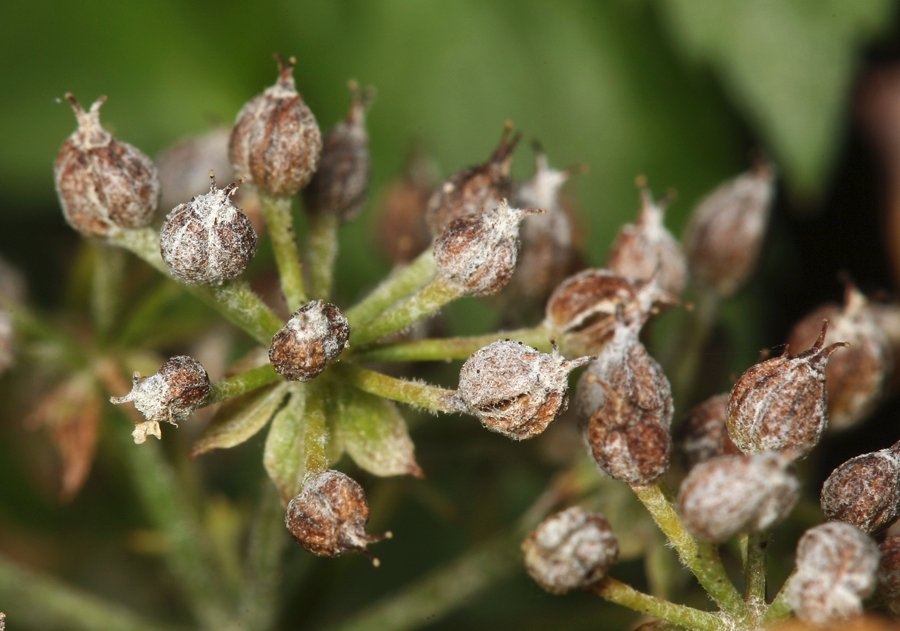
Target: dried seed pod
[
  {"x": 276, "y": 141},
  {"x": 647, "y": 250},
  {"x": 625, "y": 403},
  {"x": 472, "y": 190},
  {"x": 857, "y": 377},
  {"x": 702, "y": 435},
  {"x": 179, "y": 387},
  {"x": 477, "y": 254},
  {"x": 401, "y": 230},
  {"x": 726, "y": 230},
  {"x": 889, "y": 574},
  {"x": 836, "y": 566},
  {"x": 104, "y": 185},
  {"x": 314, "y": 336},
  {"x": 779, "y": 404},
  {"x": 514, "y": 389},
  {"x": 572, "y": 549},
  {"x": 582, "y": 309},
  {"x": 208, "y": 240},
  {"x": 865, "y": 490},
  {"x": 341, "y": 181},
  {"x": 329, "y": 515},
  {"x": 729, "y": 495}
]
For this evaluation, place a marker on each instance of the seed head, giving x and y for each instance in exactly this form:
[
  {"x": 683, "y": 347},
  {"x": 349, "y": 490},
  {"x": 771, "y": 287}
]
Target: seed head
[
  {"x": 477, "y": 254},
  {"x": 341, "y": 181},
  {"x": 276, "y": 142},
  {"x": 779, "y": 404},
  {"x": 734, "y": 494},
  {"x": 329, "y": 515},
  {"x": 208, "y": 240},
  {"x": 570, "y": 550},
  {"x": 472, "y": 190},
  {"x": 179, "y": 387},
  {"x": 702, "y": 435},
  {"x": 836, "y": 567},
  {"x": 514, "y": 389},
  {"x": 865, "y": 490},
  {"x": 104, "y": 185},
  {"x": 313, "y": 337},
  {"x": 725, "y": 232}
]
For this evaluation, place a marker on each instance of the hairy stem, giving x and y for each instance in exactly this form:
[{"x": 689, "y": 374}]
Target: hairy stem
[
  {"x": 262, "y": 569},
  {"x": 402, "y": 282},
  {"x": 620, "y": 593},
  {"x": 425, "y": 302},
  {"x": 779, "y": 609},
  {"x": 106, "y": 287},
  {"x": 316, "y": 434},
  {"x": 416, "y": 394},
  {"x": 321, "y": 253},
  {"x": 755, "y": 572},
  {"x": 280, "y": 224},
  {"x": 236, "y": 385}
]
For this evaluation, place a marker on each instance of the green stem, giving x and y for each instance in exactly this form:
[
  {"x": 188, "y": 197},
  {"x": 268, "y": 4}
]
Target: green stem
[
  {"x": 280, "y": 224},
  {"x": 455, "y": 347},
  {"x": 236, "y": 385},
  {"x": 416, "y": 394},
  {"x": 620, "y": 593},
  {"x": 701, "y": 559},
  {"x": 425, "y": 302},
  {"x": 106, "y": 286},
  {"x": 41, "y": 602},
  {"x": 235, "y": 300},
  {"x": 779, "y": 609},
  {"x": 316, "y": 434},
  {"x": 321, "y": 252},
  {"x": 755, "y": 572},
  {"x": 262, "y": 573},
  {"x": 402, "y": 282}
]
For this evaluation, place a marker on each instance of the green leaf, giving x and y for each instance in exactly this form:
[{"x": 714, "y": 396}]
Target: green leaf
[
  {"x": 284, "y": 455},
  {"x": 788, "y": 65},
  {"x": 240, "y": 419},
  {"x": 374, "y": 434}
]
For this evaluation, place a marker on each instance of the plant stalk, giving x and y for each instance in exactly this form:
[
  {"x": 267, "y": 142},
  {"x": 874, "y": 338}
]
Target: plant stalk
[
  {"x": 280, "y": 224},
  {"x": 402, "y": 282},
  {"x": 413, "y": 393},
  {"x": 620, "y": 593},
  {"x": 236, "y": 385},
  {"x": 425, "y": 302},
  {"x": 321, "y": 252}
]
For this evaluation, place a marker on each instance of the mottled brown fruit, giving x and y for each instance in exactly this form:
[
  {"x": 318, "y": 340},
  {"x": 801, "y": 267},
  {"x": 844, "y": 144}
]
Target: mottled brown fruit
[
  {"x": 570, "y": 550},
  {"x": 865, "y": 490},
  {"x": 647, "y": 250},
  {"x": 726, "y": 230},
  {"x": 329, "y": 515},
  {"x": 341, "y": 181},
  {"x": 179, "y": 387},
  {"x": 514, "y": 389},
  {"x": 779, "y": 404},
  {"x": 276, "y": 142},
  {"x": 477, "y": 254},
  {"x": 314, "y": 336},
  {"x": 702, "y": 434},
  {"x": 104, "y": 185},
  {"x": 855, "y": 378},
  {"x": 836, "y": 570},
  {"x": 208, "y": 240},
  {"x": 472, "y": 190},
  {"x": 889, "y": 574},
  {"x": 730, "y": 495},
  {"x": 401, "y": 230}
]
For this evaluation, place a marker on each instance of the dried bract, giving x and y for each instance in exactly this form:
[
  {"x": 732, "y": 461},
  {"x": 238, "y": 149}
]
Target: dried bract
[
  {"x": 208, "y": 240},
  {"x": 779, "y": 404},
  {"x": 104, "y": 185},
  {"x": 702, "y": 434},
  {"x": 836, "y": 566},
  {"x": 570, "y": 550},
  {"x": 514, "y": 389},
  {"x": 314, "y": 336},
  {"x": 734, "y": 494},
  {"x": 865, "y": 490},
  {"x": 276, "y": 141}
]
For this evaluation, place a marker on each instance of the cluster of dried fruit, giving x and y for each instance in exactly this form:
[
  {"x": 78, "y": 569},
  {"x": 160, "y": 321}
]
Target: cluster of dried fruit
[{"x": 489, "y": 236}]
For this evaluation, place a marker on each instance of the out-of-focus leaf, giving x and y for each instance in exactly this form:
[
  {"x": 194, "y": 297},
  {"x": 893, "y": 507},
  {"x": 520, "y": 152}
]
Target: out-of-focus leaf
[
  {"x": 284, "y": 456},
  {"x": 240, "y": 419},
  {"x": 374, "y": 434},
  {"x": 788, "y": 65}
]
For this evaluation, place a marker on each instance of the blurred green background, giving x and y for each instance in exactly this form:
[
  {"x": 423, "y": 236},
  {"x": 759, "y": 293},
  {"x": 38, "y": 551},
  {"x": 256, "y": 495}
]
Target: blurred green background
[{"x": 683, "y": 91}]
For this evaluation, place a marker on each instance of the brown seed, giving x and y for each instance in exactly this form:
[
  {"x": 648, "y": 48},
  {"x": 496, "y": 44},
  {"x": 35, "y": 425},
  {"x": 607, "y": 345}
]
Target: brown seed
[
  {"x": 726, "y": 230},
  {"x": 341, "y": 181},
  {"x": 836, "y": 568},
  {"x": 703, "y": 435},
  {"x": 572, "y": 549},
  {"x": 104, "y": 185},
  {"x": 779, "y": 404},
  {"x": 276, "y": 141},
  {"x": 208, "y": 240},
  {"x": 728, "y": 495},
  {"x": 314, "y": 336},
  {"x": 889, "y": 574},
  {"x": 472, "y": 190},
  {"x": 329, "y": 515},
  {"x": 514, "y": 389},
  {"x": 865, "y": 490}
]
